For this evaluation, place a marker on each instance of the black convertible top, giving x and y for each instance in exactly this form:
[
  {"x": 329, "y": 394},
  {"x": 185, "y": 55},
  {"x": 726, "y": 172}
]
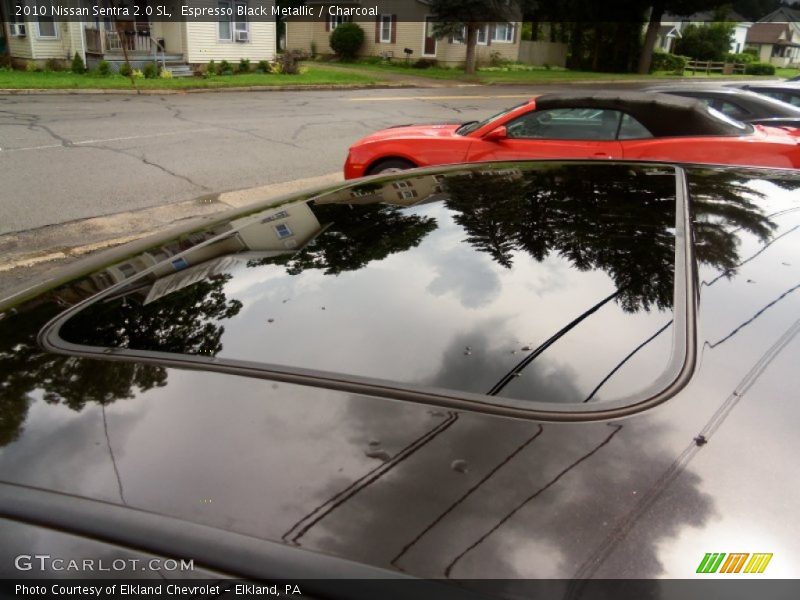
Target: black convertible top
[{"x": 663, "y": 115}]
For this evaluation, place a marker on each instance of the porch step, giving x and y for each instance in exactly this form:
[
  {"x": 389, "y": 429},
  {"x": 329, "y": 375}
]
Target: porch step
[{"x": 180, "y": 70}]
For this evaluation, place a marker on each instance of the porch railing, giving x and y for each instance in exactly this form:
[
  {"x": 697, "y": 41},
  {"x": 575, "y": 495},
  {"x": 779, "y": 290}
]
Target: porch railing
[{"x": 101, "y": 41}]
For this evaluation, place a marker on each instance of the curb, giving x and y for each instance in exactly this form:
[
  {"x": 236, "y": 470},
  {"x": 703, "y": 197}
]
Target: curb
[
  {"x": 355, "y": 86},
  {"x": 151, "y": 92},
  {"x": 44, "y": 244}
]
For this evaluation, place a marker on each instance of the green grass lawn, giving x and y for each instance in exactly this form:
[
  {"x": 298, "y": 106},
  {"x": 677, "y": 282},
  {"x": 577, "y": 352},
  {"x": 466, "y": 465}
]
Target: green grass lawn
[
  {"x": 787, "y": 73},
  {"x": 513, "y": 75},
  {"x": 68, "y": 80},
  {"x": 398, "y": 68}
]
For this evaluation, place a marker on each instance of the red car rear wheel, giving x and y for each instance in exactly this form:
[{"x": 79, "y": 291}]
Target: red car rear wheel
[{"x": 390, "y": 165}]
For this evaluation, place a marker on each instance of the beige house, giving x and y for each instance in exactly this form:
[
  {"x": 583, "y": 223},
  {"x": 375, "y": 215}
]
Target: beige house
[
  {"x": 776, "y": 43},
  {"x": 173, "y": 43},
  {"x": 404, "y": 24}
]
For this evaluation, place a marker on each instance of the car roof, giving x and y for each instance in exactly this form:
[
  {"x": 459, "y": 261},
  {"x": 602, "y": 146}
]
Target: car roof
[
  {"x": 747, "y": 98},
  {"x": 663, "y": 115},
  {"x": 768, "y": 85},
  {"x": 401, "y": 482}
]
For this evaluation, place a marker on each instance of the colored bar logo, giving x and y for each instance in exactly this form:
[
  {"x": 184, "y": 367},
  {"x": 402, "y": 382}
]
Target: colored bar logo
[{"x": 719, "y": 562}]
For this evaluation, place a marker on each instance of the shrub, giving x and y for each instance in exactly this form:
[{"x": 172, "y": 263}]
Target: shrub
[
  {"x": 224, "y": 68},
  {"x": 31, "y": 66},
  {"x": 53, "y": 64},
  {"x": 424, "y": 63},
  {"x": 497, "y": 60},
  {"x": 759, "y": 68},
  {"x": 264, "y": 67},
  {"x": 244, "y": 65},
  {"x": 138, "y": 74},
  {"x": 313, "y": 49},
  {"x": 664, "y": 61},
  {"x": 77, "y": 64},
  {"x": 751, "y": 51},
  {"x": 742, "y": 57},
  {"x": 211, "y": 68},
  {"x": 288, "y": 63},
  {"x": 165, "y": 74},
  {"x": 103, "y": 68},
  {"x": 346, "y": 40},
  {"x": 125, "y": 70},
  {"x": 150, "y": 71}
]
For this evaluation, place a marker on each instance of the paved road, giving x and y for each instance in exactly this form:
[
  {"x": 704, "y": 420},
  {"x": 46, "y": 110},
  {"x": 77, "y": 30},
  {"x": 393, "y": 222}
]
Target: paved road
[{"x": 68, "y": 157}]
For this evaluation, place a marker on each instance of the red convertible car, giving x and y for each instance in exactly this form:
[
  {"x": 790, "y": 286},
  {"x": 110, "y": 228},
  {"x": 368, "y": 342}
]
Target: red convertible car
[{"x": 629, "y": 125}]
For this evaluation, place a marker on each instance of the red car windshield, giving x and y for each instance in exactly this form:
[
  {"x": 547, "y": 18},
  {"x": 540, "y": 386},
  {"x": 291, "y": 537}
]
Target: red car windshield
[{"x": 471, "y": 126}]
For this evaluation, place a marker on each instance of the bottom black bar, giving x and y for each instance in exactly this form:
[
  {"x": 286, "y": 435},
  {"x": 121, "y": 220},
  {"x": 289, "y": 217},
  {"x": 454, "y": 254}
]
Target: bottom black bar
[{"x": 466, "y": 589}]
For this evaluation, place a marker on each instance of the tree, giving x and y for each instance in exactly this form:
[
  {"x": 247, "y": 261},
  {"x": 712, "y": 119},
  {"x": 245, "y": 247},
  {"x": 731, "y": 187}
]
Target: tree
[
  {"x": 454, "y": 16},
  {"x": 657, "y": 10},
  {"x": 346, "y": 40},
  {"x": 608, "y": 36},
  {"x": 705, "y": 42}
]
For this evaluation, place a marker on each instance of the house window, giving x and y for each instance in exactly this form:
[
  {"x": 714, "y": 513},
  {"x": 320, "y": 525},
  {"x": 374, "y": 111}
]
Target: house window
[
  {"x": 229, "y": 25},
  {"x": 401, "y": 184},
  {"x": 47, "y": 27},
  {"x": 386, "y": 28},
  {"x": 483, "y": 34},
  {"x": 336, "y": 20},
  {"x": 240, "y": 22},
  {"x": 461, "y": 38},
  {"x": 503, "y": 32},
  {"x": 407, "y": 194},
  {"x": 283, "y": 231},
  {"x": 225, "y": 29}
]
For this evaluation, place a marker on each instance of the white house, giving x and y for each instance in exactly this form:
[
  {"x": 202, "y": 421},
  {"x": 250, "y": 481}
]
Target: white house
[
  {"x": 189, "y": 42},
  {"x": 673, "y": 25}
]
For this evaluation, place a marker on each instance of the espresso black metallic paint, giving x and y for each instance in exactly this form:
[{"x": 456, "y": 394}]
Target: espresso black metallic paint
[{"x": 449, "y": 493}]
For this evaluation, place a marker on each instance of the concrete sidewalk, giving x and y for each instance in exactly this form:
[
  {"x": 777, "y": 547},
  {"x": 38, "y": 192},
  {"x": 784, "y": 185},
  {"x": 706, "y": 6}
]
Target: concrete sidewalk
[{"x": 26, "y": 254}]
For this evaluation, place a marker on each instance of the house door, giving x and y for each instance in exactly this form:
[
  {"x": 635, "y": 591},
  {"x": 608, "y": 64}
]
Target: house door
[{"x": 429, "y": 43}]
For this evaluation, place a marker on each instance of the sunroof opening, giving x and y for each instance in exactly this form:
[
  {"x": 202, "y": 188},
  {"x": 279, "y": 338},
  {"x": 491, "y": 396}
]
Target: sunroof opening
[{"x": 520, "y": 285}]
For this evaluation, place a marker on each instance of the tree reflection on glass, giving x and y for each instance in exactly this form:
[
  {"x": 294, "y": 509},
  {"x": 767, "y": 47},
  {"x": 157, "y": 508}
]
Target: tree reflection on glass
[
  {"x": 72, "y": 381},
  {"x": 354, "y": 237},
  {"x": 184, "y": 321},
  {"x": 611, "y": 218},
  {"x": 723, "y": 204}
]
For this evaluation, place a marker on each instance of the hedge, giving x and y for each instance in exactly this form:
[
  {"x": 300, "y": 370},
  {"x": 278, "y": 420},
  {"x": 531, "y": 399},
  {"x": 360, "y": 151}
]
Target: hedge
[
  {"x": 664, "y": 61},
  {"x": 759, "y": 68}
]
